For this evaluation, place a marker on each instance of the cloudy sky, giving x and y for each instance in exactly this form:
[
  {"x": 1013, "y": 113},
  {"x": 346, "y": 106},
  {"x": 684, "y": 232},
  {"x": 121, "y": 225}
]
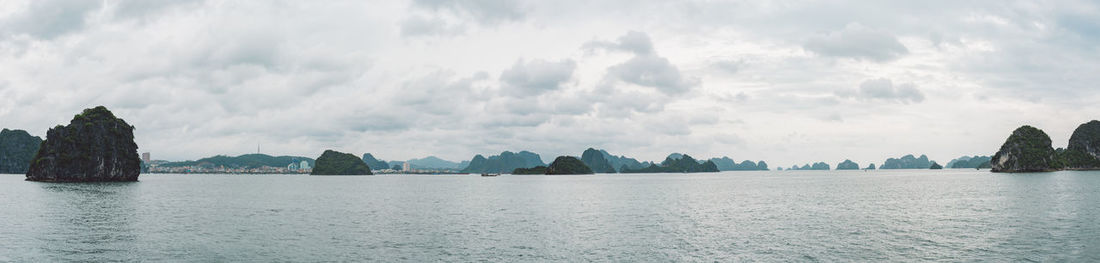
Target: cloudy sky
[{"x": 789, "y": 82}]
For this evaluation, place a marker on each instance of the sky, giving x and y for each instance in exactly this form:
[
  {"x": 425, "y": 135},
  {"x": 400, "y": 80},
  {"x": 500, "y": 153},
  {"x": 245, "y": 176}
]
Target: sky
[{"x": 788, "y": 82}]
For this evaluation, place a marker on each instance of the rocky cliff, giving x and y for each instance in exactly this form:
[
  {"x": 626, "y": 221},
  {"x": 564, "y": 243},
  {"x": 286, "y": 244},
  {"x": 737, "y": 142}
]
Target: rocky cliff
[
  {"x": 847, "y": 165},
  {"x": 596, "y": 160},
  {"x": 1083, "y": 151},
  {"x": 338, "y": 163},
  {"x": 17, "y": 148},
  {"x": 1028, "y": 149},
  {"x": 568, "y": 165},
  {"x": 95, "y": 147}
]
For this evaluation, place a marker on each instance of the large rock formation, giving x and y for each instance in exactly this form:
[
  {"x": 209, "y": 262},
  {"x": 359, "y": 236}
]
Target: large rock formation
[
  {"x": 568, "y": 165},
  {"x": 503, "y": 163},
  {"x": 847, "y": 165},
  {"x": 532, "y": 170},
  {"x": 17, "y": 148},
  {"x": 1026, "y": 150},
  {"x": 95, "y": 147},
  {"x": 936, "y": 166},
  {"x": 596, "y": 160},
  {"x": 1083, "y": 151},
  {"x": 907, "y": 162},
  {"x": 373, "y": 163},
  {"x": 678, "y": 163},
  {"x": 338, "y": 163}
]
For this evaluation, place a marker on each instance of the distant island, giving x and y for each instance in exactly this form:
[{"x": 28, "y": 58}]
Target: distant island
[
  {"x": 567, "y": 165},
  {"x": 968, "y": 162},
  {"x": 338, "y": 163},
  {"x": 907, "y": 162},
  {"x": 248, "y": 163},
  {"x": 1028, "y": 149},
  {"x": 503, "y": 163},
  {"x": 727, "y": 164},
  {"x": 672, "y": 164},
  {"x": 816, "y": 166},
  {"x": 17, "y": 148},
  {"x": 848, "y": 165}
]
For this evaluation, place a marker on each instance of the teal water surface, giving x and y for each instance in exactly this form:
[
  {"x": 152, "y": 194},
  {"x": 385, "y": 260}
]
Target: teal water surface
[{"x": 917, "y": 215}]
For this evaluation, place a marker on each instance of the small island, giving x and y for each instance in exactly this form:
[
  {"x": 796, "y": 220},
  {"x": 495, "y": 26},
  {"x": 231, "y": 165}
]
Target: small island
[
  {"x": 568, "y": 165},
  {"x": 1026, "y": 150},
  {"x": 847, "y": 165},
  {"x": 338, "y": 163},
  {"x": 17, "y": 148},
  {"x": 96, "y": 146}
]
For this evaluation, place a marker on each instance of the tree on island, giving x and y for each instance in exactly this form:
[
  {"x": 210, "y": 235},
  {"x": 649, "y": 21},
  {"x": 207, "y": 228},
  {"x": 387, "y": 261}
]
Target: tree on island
[{"x": 17, "y": 148}]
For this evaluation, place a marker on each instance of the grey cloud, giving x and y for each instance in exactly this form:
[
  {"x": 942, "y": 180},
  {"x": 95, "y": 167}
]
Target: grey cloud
[
  {"x": 884, "y": 89},
  {"x": 652, "y": 71},
  {"x": 646, "y": 68},
  {"x": 859, "y": 42},
  {"x": 428, "y": 26},
  {"x": 633, "y": 41},
  {"x": 536, "y": 76},
  {"x": 482, "y": 11},
  {"x": 49, "y": 18},
  {"x": 728, "y": 65}
]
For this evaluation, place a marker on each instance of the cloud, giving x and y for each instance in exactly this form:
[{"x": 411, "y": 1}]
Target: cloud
[
  {"x": 884, "y": 89},
  {"x": 633, "y": 41},
  {"x": 858, "y": 42},
  {"x": 482, "y": 11},
  {"x": 49, "y": 18},
  {"x": 645, "y": 68},
  {"x": 416, "y": 25},
  {"x": 537, "y": 76},
  {"x": 652, "y": 71}
]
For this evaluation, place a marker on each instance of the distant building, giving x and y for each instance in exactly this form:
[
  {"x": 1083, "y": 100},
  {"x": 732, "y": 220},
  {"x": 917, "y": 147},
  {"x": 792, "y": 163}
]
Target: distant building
[
  {"x": 406, "y": 166},
  {"x": 293, "y": 166},
  {"x": 146, "y": 157},
  {"x": 304, "y": 165}
]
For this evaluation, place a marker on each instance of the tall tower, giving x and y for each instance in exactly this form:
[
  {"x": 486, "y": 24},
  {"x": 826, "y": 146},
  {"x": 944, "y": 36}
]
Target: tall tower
[{"x": 145, "y": 157}]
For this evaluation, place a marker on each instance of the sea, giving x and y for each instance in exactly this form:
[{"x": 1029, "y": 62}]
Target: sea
[{"x": 766, "y": 216}]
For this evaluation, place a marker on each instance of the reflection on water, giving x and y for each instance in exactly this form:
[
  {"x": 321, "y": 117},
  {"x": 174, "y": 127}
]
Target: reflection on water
[
  {"x": 87, "y": 221},
  {"x": 950, "y": 215}
]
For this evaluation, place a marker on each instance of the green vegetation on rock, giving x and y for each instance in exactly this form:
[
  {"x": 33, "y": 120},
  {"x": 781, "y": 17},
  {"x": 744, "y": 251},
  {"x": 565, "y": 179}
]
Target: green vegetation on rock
[
  {"x": 597, "y": 161},
  {"x": 373, "y": 163},
  {"x": 936, "y": 166},
  {"x": 907, "y": 162},
  {"x": 568, "y": 165},
  {"x": 503, "y": 163},
  {"x": 678, "y": 163},
  {"x": 533, "y": 170},
  {"x": 338, "y": 163},
  {"x": 1028, "y": 149},
  {"x": 96, "y": 146},
  {"x": 17, "y": 148},
  {"x": 968, "y": 162},
  {"x": 1083, "y": 152}
]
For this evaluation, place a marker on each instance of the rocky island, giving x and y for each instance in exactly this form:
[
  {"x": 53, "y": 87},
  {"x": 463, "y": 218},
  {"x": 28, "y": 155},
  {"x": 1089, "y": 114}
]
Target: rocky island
[
  {"x": 847, "y": 165},
  {"x": 95, "y": 147},
  {"x": 1083, "y": 152},
  {"x": 597, "y": 161},
  {"x": 338, "y": 163},
  {"x": 17, "y": 148},
  {"x": 1026, "y": 150},
  {"x": 568, "y": 165}
]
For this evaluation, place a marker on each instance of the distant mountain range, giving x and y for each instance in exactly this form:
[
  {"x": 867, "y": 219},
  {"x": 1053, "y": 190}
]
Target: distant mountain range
[
  {"x": 504, "y": 163},
  {"x": 970, "y": 162},
  {"x": 907, "y": 162},
  {"x": 247, "y": 161}
]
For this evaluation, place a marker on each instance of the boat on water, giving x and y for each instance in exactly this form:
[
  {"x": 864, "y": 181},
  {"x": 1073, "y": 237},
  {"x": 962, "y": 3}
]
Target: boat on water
[{"x": 489, "y": 175}]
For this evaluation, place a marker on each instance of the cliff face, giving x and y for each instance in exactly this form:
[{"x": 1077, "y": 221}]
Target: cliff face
[
  {"x": 1026, "y": 150},
  {"x": 568, "y": 165},
  {"x": 17, "y": 148},
  {"x": 595, "y": 160},
  {"x": 503, "y": 163},
  {"x": 95, "y": 147},
  {"x": 1083, "y": 151},
  {"x": 338, "y": 163}
]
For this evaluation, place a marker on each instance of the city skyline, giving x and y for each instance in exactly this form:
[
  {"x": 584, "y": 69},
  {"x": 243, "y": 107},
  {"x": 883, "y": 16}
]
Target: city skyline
[{"x": 787, "y": 83}]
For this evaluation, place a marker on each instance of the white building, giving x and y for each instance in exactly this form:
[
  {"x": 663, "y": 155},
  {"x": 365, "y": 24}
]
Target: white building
[
  {"x": 304, "y": 165},
  {"x": 406, "y": 166}
]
